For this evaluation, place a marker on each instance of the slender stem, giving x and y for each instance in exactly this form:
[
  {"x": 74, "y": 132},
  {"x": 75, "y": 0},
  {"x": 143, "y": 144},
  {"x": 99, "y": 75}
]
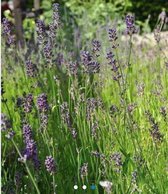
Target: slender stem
[{"x": 27, "y": 168}]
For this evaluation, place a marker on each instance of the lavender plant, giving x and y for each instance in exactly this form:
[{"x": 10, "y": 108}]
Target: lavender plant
[{"x": 81, "y": 118}]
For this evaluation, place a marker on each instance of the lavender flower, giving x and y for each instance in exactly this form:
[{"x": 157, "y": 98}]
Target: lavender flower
[
  {"x": 116, "y": 157},
  {"x": 154, "y": 131},
  {"x": 40, "y": 29},
  {"x": 47, "y": 51},
  {"x": 31, "y": 69},
  {"x": 90, "y": 66},
  {"x": 84, "y": 170},
  {"x": 31, "y": 148},
  {"x": 43, "y": 121},
  {"x": 28, "y": 103},
  {"x": 86, "y": 57},
  {"x": 94, "y": 128},
  {"x": 114, "y": 67},
  {"x": 10, "y": 134},
  {"x": 73, "y": 68},
  {"x": 42, "y": 103},
  {"x": 56, "y": 21},
  {"x": 96, "y": 47},
  {"x": 130, "y": 24},
  {"x": 27, "y": 132},
  {"x": 65, "y": 114},
  {"x": 59, "y": 59},
  {"x": 163, "y": 112},
  {"x": 112, "y": 32},
  {"x": 56, "y": 17},
  {"x": 74, "y": 133},
  {"x": 50, "y": 164},
  {"x": 5, "y": 122},
  {"x": 7, "y": 31},
  {"x": 107, "y": 185}
]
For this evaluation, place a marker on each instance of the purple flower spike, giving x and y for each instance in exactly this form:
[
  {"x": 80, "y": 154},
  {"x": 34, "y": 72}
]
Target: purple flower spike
[
  {"x": 31, "y": 69},
  {"x": 42, "y": 103},
  {"x": 50, "y": 164},
  {"x": 130, "y": 25},
  {"x": 6, "y": 27}
]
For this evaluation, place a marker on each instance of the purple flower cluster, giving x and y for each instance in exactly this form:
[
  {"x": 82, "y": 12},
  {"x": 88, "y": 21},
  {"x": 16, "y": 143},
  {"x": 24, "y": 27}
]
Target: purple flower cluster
[
  {"x": 96, "y": 47},
  {"x": 43, "y": 121},
  {"x": 5, "y": 122},
  {"x": 6, "y": 26},
  {"x": 6, "y": 126},
  {"x": 41, "y": 31},
  {"x": 47, "y": 51},
  {"x": 84, "y": 170},
  {"x": 42, "y": 103},
  {"x": 30, "y": 151},
  {"x": 91, "y": 105},
  {"x": 130, "y": 24},
  {"x": 116, "y": 157},
  {"x": 27, "y": 132},
  {"x": 65, "y": 114},
  {"x": 50, "y": 164},
  {"x": 56, "y": 21},
  {"x": 90, "y": 65},
  {"x": 154, "y": 131},
  {"x": 114, "y": 67},
  {"x": 31, "y": 69},
  {"x": 73, "y": 68},
  {"x": 112, "y": 32},
  {"x": 28, "y": 103}
]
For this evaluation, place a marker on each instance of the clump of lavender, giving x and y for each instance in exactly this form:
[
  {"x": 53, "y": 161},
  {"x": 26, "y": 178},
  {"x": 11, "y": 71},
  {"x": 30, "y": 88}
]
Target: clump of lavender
[
  {"x": 112, "y": 32},
  {"x": 96, "y": 47},
  {"x": 42, "y": 103},
  {"x": 117, "y": 159},
  {"x": 41, "y": 31},
  {"x": 84, "y": 170},
  {"x": 154, "y": 131},
  {"x": 114, "y": 67},
  {"x": 90, "y": 66},
  {"x": 6, "y": 31},
  {"x": 50, "y": 164},
  {"x": 130, "y": 24},
  {"x": 31, "y": 69},
  {"x": 28, "y": 103}
]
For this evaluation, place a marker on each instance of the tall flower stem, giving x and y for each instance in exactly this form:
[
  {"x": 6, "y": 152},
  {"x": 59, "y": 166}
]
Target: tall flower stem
[{"x": 27, "y": 168}]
